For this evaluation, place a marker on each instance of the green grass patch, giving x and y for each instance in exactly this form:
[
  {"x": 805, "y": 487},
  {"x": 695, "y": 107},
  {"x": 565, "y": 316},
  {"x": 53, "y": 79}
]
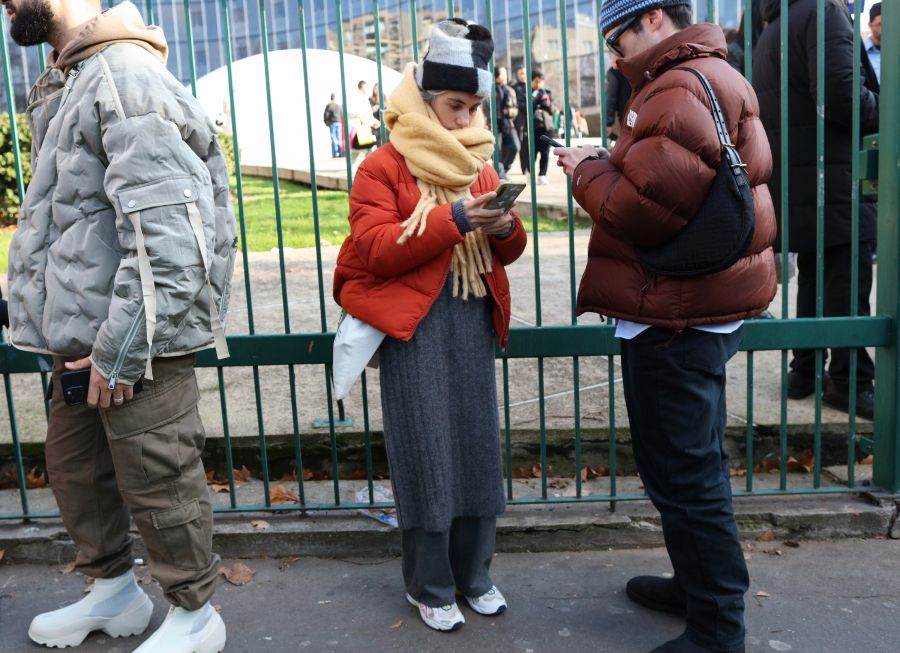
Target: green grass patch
[
  {"x": 5, "y": 240},
  {"x": 297, "y": 225}
]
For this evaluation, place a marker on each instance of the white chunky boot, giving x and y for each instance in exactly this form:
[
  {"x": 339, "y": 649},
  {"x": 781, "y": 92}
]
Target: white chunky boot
[
  {"x": 200, "y": 631},
  {"x": 117, "y": 606}
]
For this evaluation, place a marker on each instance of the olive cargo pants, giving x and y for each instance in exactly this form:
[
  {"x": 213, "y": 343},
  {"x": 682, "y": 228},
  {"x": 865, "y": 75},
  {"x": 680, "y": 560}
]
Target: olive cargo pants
[{"x": 141, "y": 459}]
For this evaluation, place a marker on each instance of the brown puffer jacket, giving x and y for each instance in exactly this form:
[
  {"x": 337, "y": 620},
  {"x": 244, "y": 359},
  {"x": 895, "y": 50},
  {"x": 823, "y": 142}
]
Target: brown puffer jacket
[{"x": 661, "y": 169}]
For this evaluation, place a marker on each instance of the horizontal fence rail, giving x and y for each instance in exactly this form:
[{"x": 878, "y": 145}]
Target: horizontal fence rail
[{"x": 563, "y": 39}]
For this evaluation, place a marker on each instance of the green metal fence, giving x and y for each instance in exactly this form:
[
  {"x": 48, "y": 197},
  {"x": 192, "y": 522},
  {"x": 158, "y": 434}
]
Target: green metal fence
[{"x": 313, "y": 350}]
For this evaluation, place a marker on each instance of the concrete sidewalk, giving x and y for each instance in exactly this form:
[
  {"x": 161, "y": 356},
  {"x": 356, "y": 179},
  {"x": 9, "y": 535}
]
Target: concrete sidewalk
[{"x": 823, "y": 597}]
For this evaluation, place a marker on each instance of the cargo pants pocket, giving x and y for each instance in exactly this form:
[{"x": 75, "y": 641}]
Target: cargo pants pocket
[{"x": 182, "y": 532}]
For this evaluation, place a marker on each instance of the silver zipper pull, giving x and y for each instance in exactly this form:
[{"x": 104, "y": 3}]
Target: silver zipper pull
[{"x": 112, "y": 382}]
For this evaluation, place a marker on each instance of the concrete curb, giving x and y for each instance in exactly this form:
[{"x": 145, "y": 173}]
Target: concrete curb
[{"x": 566, "y": 527}]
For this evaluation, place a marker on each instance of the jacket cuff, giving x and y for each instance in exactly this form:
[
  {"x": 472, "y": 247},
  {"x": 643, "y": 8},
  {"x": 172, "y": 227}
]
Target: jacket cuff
[{"x": 461, "y": 218}]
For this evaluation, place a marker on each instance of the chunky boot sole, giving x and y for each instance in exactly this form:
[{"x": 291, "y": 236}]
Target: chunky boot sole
[
  {"x": 133, "y": 621},
  {"x": 650, "y": 604}
]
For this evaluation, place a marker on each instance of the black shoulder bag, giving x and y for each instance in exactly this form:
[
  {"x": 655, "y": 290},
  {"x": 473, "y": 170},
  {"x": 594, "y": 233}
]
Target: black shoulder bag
[{"x": 721, "y": 232}]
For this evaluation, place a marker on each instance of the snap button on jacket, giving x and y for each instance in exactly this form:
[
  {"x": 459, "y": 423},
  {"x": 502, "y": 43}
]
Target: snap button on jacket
[{"x": 658, "y": 176}]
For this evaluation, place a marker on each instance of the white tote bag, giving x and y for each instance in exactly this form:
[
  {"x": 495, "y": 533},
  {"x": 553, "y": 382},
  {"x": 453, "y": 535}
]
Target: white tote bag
[{"x": 355, "y": 346}]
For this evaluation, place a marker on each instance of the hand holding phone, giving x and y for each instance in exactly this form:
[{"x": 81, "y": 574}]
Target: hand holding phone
[{"x": 506, "y": 194}]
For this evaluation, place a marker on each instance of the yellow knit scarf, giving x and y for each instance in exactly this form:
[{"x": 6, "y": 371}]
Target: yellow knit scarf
[{"x": 445, "y": 164}]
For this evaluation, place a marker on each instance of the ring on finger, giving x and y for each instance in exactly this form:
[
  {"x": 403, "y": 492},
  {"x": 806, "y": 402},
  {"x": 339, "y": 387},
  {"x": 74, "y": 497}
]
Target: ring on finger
[{"x": 118, "y": 401}]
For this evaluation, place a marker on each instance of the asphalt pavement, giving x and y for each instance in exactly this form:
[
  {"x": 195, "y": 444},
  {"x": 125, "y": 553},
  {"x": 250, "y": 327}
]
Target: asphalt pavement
[{"x": 823, "y": 597}]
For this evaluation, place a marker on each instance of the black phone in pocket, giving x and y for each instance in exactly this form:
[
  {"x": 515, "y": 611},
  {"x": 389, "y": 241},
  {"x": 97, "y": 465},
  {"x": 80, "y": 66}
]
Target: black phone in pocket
[{"x": 75, "y": 386}]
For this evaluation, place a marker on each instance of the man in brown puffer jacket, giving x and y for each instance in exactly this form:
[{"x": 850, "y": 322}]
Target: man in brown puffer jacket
[{"x": 677, "y": 333}]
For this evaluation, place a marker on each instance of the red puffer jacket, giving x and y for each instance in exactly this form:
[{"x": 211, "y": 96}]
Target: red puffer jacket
[
  {"x": 661, "y": 169},
  {"x": 391, "y": 286}
]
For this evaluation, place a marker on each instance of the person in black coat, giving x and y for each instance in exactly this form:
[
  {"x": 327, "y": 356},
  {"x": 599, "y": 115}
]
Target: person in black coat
[
  {"x": 618, "y": 92},
  {"x": 802, "y": 177},
  {"x": 506, "y": 136},
  {"x": 522, "y": 87}
]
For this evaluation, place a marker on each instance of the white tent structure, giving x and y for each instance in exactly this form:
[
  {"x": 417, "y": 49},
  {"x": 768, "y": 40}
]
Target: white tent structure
[{"x": 288, "y": 101}]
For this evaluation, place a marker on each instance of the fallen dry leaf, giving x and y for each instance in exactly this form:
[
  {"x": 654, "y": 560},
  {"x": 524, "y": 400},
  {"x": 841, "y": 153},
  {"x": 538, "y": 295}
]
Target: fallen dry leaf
[
  {"x": 244, "y": 475},
  {"x": 609, "y": 565},
  {"x": 69, "y": 569},
  {"x": 282, "y": 495},
  {"x": 396, "y": 625},
  {"x": 358, "y": 475},
  {"x": 867, "y": 460},
  {"x": 792, "y": 544},
  {"x": 218, "y": 487},
  {"x": 761, "y": 593},
  {"x": 738, "y": 472},
  {"x": 295, "y": 269},
  {"x": 263, "y": 556},
  {"x": 747, "y": 555},
  {"x": 559, "y": 484},
  {"x": 240, "y": 574},
  {"x": 571, "y": 492},
  {"x": 768, "y": 536},
  {"x": 217, "y": 608},
  {"x": 259, "y": 524},
  {"x": 147, "y": 579},
  {"x": 773, "y": 552},
  {"x": 317, "y": 476},
  {"x": 33, "y": 482},
  {"x": 2, "y": 551}
]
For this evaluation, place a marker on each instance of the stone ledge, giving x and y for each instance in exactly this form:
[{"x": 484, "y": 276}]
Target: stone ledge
[{"x": 567, "y": 527}]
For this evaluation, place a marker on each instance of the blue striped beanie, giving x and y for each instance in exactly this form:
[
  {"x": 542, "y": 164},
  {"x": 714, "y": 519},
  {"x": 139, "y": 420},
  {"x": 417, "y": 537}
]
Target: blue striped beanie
[{"x": 616, "y": 12}]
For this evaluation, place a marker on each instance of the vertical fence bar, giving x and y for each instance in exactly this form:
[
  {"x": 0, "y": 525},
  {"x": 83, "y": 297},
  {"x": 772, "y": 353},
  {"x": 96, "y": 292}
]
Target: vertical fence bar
[
  {"x": 378, "y": 64},
  {"x": 749, "y": 421},
  {"x": 17, "y": 446},
  {"x": 748, "y": 40},
  {"x": 365, "y": 398},
  {"x": 498, "y": 144},
  {"x": 150, "y": 17},
  {"x": 189, "y": 31},
  {"x": 886, "y": 471},
  {"x": 450, "y": 12},
  {"x": 820, "y": 226},
  {"x": 601, "y": 82},
  {"x": 340, "y": 34},
  {"x": 854, "y": 244},
  {"x": 564, "y": 30},
  {"x": 506, "y": 430},
  {"x": 226, "y": 432},
  {"x": 711, "y": 11},
  {"x": 226, "y": 25},
  {"x": 44, "y": 385},
  {"x": 11, "y": 106},
  {"x": 785, "y": 256},
  {"x": 613, "y": 467},
  {"x": 415, "y": 29}
]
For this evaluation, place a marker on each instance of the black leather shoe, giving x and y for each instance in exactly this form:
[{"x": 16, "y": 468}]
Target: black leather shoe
[
  {"x": 684, "y": 645},
  {"x": 801, "y": 386},
  {"x": 840, "y": 400},
  {"x": 655, "y": 593}
]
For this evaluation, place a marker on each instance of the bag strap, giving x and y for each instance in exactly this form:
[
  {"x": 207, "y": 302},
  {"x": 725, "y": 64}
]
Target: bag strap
[
  {"x": 728, "y": 149},
  {"x": 73, "y": 75}
]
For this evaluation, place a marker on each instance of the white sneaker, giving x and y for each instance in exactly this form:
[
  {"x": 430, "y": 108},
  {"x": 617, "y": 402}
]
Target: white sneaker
[
  {"x": 446, "y": 618},
  {"x": 117, "y": 606},
  {"x": 200, "y": 631},
  {"x": 543, "y": 181},
  {"x": 490, "y": 604}
]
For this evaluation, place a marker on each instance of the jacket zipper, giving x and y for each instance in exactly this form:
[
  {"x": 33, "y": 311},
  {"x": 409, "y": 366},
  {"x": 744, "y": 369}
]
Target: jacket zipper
[{"x": 120, "y": 360}]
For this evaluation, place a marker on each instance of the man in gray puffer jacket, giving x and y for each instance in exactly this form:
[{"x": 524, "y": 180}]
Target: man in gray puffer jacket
[{"x": 122, "y": 264}]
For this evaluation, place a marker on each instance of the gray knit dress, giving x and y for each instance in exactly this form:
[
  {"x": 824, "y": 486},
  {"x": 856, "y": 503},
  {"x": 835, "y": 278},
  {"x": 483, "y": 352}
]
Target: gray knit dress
[{"x": 441, "y": 423}]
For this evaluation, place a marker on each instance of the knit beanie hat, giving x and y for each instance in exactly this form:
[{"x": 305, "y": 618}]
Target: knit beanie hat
[
  {"x": 458, "y": 59},
  {"x": 616, "y": 12}
]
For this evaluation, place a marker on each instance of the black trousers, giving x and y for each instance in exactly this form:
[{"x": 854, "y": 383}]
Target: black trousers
[
  {"x": 836, "y": 303},
  {"x": 522, "y": 132},
  {"x": 675, "y": 394},
  {"x": 541, "y": 148},
  {"x": 509, "y": 141}
]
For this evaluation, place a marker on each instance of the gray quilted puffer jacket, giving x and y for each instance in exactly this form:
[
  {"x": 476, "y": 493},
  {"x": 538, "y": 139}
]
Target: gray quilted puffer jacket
[{"x": 127, "y": 227}]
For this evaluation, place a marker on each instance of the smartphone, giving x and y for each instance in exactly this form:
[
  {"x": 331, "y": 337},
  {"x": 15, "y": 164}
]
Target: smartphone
[
  {"x": 75, "y": 386},
  {"x": 507, "y": 192},
  {"x": 547, "y": 139}
]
